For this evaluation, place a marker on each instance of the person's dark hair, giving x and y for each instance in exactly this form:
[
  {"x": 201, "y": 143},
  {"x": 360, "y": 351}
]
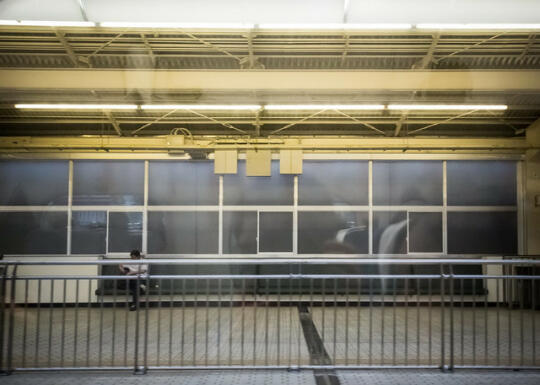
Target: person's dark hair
[{"x": 135, "y": 253}]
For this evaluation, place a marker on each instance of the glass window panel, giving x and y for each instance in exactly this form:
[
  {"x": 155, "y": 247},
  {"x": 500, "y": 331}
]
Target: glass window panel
[
  {"x": 240, "y": 232},
  {"x": 88, "y": 232},
  {"x": 390, "y": 232},
  {"x": 183, "y": 232},
  {"x": 334, "y": 183},
  {"x": 182, "y": 183},
  {"x": 333, "y": 232},
  {"x": 125, "y": 231},
  {"x": 33, "y": 232},
  {"x": 108, "y": 182},
  {"x": 35, "y": 183},
  {"x": 425, "y": 232},
  {"x": 275, "y": 232},
  {"x": 481, "y": 183},
  {"x": 240, "y": 189},
  {"x": 407, "y": 182},
  {"x": 482, "y": 232}
]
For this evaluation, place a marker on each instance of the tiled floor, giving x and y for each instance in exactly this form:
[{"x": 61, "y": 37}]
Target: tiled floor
[
  {"x": 253, "y": 336},
  {"x": 278, "y": 377}
]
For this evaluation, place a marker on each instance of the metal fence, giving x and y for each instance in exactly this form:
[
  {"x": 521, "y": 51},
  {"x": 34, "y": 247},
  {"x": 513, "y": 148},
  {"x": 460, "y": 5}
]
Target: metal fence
[{"x": 75, "y": 320}]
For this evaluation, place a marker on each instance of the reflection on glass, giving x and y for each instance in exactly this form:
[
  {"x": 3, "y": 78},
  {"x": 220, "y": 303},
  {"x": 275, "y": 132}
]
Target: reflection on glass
[
  {"x": 88, "y": 232},
  {"x": 125, "y": 231},
  {"x": 182, "y": 183},
  {"x": 407, "y": 182},
  {"x": 425, "y": 232},
  {"x": 390, "y": 232},
  {"x": 482, "y": 232},
  {"x": 33, "y": 232},
  {"x": 327, "y": 232},
  {"x": 240, "y": 232},
  {"x": 275, "y": 232},
  {"x": 239, "y": 189},
  {"x": 183, "y": 232},
  {"x": 35, "y": 183},
  {"x": 108, "y": 182},
  {"x": 334, "y": 182},
  {"x": 481, "y": 183}
]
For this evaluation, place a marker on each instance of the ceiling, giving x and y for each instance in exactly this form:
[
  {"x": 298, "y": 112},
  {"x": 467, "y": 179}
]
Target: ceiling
[{"x": 94, "y": 50}]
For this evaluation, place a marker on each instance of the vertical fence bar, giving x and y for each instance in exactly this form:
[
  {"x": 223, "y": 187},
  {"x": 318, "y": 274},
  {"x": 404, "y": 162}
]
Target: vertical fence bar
[
  {"x": 195, "y": 307},
  {"x": 38, "y": 323},
  {"x": 358, "y": 321},
  {"x": 88, "y": 324},
  {"x": 334, "y": 337},
  {"x": 9, "y": 366},
  {"x": 158, "y": 347},
  {"x": 182, "y": 330},
  {"x": 266, "y": 323},
  {"x": 231, "y": 300},
  {"x": 370, "y": 320},
  {"x": 63, "y": 335},
  {"x": 473, "y": 322},
  {"x": 126, "y": 324},
  {"x": 102, "y": 295},
  {"x": 486, "y": 334},
  {"x": 406, "y": 321},
  {"x": 206, "y": 322},
  {"x": 76, "y": 322},
  {"x": 442, "y": 303},
  {"x": 533, "y": 306},
  {"x": 510, "y": 299},
  {"x": 25, "y": 323},
  {"x": 521, "y": 336},
  {"x": 137, "y": 325},
  {"x": 219, "y": 321},
  {"x": 171, "y": 309},
  {"x": 429, "y": 320},
  {"x": 113, "y": 330},
  {"x": 417, "y": 321},
  {"x": 383, "y": 289},
  {"x": 146, "y": 321},
  {"x": 462, "y": 336},
  {"x": 394, "y": 321},
  {"x": 346, "y": 321},
  {"x": 243, "y": 317},
  {"x": 278, "y": 355},
  {"x": 451, "y": 276},
  {"x": 51, "y": 317}
]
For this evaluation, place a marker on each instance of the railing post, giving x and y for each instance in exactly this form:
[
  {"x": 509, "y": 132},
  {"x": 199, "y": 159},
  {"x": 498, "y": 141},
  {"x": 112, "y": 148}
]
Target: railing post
[
  {"x": 136, "y": 368},
  {"x": 442, "y": 305},
  {"x": 3, "y": 369},
  {"x": 451, "y": 278}
]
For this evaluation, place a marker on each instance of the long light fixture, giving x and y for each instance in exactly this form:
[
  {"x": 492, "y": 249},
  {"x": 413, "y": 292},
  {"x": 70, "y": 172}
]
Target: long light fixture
[
  {"x": 425, "y": 107},
  {"x": 200, "y": 107},
  {"x": 477, "y": 26},
  {"x": 42, "y": 23},
  {"x": 125, "y": 24},
  {"x": 9, "y": 22},
  {"x": 324, "y": 107},
  {"x": 77, "y": 106},
  {"x": 336, "y": 26}
]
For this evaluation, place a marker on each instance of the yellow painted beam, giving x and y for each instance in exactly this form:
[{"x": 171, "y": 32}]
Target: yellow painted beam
[{"x": 269, "y": 80}]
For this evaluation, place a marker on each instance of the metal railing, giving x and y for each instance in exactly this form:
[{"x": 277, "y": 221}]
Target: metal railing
[{"x": 76, "y": 320}]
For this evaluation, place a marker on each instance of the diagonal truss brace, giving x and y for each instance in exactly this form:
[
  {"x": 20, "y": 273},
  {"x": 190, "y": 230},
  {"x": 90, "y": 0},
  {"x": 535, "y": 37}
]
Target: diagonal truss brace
[{"x": 441, "y": 122}]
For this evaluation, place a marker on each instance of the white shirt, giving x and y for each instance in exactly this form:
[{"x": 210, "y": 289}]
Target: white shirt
[{"x": 135, "y": 268}]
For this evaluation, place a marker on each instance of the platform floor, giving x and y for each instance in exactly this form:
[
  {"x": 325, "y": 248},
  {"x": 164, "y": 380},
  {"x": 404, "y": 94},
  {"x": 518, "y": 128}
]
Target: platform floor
[
  {"x": 279, "y": 377},
  {"x": 90, "y": 337}
]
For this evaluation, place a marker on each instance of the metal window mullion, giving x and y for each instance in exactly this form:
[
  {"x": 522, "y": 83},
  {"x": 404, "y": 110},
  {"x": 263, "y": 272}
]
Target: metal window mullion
[
  {"x": 70, "y": 204},
  {"x": 107, "y": 234},
  {"x": 521, "y": 196},
  {"x": 145, "y": 211},
  {"x": 295, "y": 217},
  {"x": 445, "y": 211},
  {"x": 220, "y": 215},
  {"x": 370, "y": 206}
]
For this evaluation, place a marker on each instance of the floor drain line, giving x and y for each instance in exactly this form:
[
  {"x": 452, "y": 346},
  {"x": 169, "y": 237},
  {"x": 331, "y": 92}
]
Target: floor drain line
[{"x": 317, "y": 353}]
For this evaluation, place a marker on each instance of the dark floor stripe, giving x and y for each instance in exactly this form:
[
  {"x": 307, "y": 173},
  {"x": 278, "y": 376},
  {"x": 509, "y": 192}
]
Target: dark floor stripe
[{"x": 317, "y": 353}]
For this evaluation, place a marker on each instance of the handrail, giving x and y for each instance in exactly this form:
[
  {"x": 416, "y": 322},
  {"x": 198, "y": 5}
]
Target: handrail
[{"x": 304, "y": 261}]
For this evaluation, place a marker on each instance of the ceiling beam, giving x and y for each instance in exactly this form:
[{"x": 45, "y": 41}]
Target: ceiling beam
[
  {"x": 178, "y": 80},
  {"x": 165, "y": 143}
]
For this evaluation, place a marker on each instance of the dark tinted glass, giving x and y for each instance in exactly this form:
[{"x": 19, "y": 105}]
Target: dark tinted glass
[
  {"x": 88, "y": 232},
  {"x": 240, "y": 232},
  {"x": 125, "y": 231},
  {"x": 390, "y": 232},
  {"x": 183, "y": 232},
  {"x": 240, "y": 189},
  {"x": 275, "y": 232},
  {"x": 35, "y": 183},
  {"x": 108, "y": 182},
  {"x": 334, "y": 183},
  {"x": 482, "y": 232},
  {"x": 339, "y": 232},
  {"x": 481, "y": 183},
  {"x": 182, "y": 183},
  {"x": 407, "y": 182},
  {"x": 33, "y": 232},
  {"x": 425, "y": 233}
]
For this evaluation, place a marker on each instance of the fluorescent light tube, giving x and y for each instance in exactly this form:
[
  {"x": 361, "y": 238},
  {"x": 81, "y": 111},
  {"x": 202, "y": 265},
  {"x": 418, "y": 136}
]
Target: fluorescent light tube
[
  {"x": 465, "y": 107},
  {"x": 324, "y": 107},
  {"x": 336, "y": 26},
  {"x": 77, "y": 106},
  {"x": 9, "y": 22},
  {"x": 477, "y": 26},
  {"x": 122, "y": 24},
  {"x": 41, "y": 23},
  {"x": 200, "y": 107}
]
